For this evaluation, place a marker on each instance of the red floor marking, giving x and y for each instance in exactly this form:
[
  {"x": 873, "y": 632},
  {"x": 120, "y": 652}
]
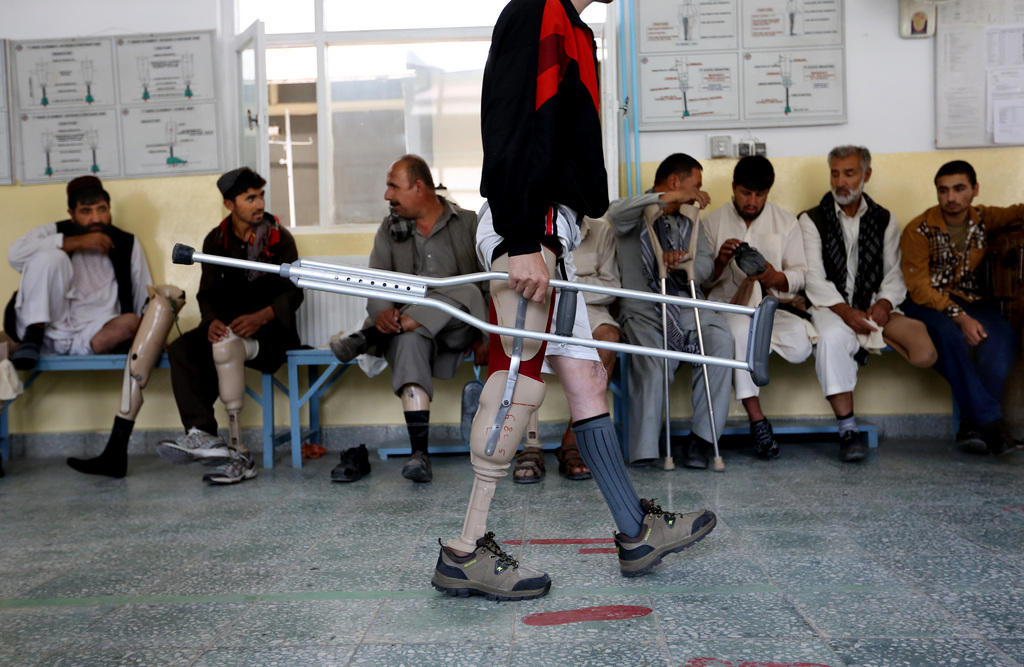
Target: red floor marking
[
  {"x": 598, "y": 550},
  {"x": 616, "y": 612},
  {"x": 718, "y": 662},
  {"x": 584, "y": 540}
]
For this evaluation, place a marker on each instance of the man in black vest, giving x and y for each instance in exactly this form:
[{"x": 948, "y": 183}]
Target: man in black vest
[
  {"x": 83, "y": 281},
  {"x": 84, "y": 284},
  {"x": 855, "y": 286}
]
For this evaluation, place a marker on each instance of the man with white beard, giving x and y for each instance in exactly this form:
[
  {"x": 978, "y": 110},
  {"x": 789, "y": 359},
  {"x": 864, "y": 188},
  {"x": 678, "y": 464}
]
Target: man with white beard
[{"x": 855, "y": 286}]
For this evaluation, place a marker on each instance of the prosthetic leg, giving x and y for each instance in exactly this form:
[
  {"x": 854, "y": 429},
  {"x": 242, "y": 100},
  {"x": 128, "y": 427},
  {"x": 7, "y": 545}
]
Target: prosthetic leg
[
  {"x": 527, "y": 396},
  {"x": 229, "y": 357},
  {"x": 416, "y": 407},
  {"x": 164, "y": 303}
]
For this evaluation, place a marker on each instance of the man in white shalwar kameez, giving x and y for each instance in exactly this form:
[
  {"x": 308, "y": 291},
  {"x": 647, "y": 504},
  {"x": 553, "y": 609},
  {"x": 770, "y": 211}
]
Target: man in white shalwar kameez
[
  {"x": 855, "y": 286},
  {"x": 749, "y": 218}
]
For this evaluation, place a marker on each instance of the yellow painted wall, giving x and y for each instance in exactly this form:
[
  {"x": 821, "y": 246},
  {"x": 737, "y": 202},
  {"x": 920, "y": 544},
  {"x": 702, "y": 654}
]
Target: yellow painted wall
[{"x": 163, "y": 211}]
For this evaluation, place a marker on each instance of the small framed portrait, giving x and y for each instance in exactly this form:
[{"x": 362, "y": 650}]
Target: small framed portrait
[{"x": 917, "y": 19}]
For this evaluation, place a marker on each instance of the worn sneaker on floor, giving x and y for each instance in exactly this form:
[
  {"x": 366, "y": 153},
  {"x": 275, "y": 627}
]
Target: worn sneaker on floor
[
  {"x": 661, "y": 533},
  {"x": 347, "y": 348},
  {"x": 765, "y": 444},
  {"x": 970, "y": 438},
  {"x": 851, "y": 449},
  {"x": 239, "y": 468},
  {"x": 488, "y": 571},
  {"x": 354, "y": 464},
  {"x": 418, "y": 468},
  {"x": 196, "y": 445}
]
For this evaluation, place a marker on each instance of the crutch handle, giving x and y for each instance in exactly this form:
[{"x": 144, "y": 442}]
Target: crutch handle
[
  {"x": 759, "y": 341},
  {"x": 565, "y": 317}
]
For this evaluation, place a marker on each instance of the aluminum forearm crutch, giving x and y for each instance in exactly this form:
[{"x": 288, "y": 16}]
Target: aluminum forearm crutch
[
  {"x": 404, "y": 288},
  {"x": 659, "y": 259},
  {"x": 719, "y": 464}
]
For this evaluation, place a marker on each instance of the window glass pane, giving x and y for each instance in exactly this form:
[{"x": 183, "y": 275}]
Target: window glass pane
[
  {"x": 291, "y": 83},
  {"x": 356, "y": 15},
  {"x": 391, "y": 99},
  {"x": 291, "y": 16},
  {"x": 393, "y": 14}
]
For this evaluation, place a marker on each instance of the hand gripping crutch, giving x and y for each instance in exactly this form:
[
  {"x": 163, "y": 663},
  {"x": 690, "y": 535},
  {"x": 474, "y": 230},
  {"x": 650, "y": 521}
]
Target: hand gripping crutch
[
  {"x": 659, "y": 259},
  {"x": 405, "y": 288},
  {"x": 719, "y": 464}
]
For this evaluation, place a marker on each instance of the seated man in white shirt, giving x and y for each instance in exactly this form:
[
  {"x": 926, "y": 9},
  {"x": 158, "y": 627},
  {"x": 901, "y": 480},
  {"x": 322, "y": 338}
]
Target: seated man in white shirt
[
  {"x": 751, "y": 219},
  {"x": 855, "y": 286},
  {"x": 84, "y": 285}
]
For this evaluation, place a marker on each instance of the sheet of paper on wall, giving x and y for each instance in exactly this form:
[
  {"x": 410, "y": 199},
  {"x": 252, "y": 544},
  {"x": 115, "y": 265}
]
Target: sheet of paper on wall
[
  {"x": 1005, "y": 85},
  {"x": 960, "y": 119},
  {"x": 960, "y": 13},
  {"x": 1009, "y": 120}
]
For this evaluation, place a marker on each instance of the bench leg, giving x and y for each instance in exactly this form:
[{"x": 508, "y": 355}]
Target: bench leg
[
  {"x": 5, "y": 435},
  {"x": 294, "y": 394},
  {"x": 267, "y": 404}
]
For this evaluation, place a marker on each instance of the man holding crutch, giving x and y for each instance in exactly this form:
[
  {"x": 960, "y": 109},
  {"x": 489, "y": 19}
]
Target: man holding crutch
[
  {"x": 543, "y": 170},
  {"x": 676, "y": 198}
]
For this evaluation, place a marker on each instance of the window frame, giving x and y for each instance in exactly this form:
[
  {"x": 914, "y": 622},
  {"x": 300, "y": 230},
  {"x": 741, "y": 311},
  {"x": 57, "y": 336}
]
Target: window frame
[{"x": 321, "y": 39}]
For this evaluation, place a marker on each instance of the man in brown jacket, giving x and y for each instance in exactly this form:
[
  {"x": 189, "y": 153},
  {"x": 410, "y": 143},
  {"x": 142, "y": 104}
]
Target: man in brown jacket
[{"x": 942, "y": 249}]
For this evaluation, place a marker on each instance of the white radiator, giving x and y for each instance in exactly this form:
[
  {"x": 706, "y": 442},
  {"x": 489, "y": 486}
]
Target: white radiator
[{"x": 323, "y": 314}]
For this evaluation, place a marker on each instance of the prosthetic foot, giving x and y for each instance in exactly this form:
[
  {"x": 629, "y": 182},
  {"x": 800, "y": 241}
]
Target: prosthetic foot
[{"x": 164, "y": 303}]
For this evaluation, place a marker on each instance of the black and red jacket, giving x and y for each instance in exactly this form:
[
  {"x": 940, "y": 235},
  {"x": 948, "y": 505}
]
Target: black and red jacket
[{"x": 541, "y": 121}]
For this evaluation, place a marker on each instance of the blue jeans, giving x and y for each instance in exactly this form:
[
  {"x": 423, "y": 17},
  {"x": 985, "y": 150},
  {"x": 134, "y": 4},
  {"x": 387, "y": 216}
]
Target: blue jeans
[{"x": 975, "y": 374}]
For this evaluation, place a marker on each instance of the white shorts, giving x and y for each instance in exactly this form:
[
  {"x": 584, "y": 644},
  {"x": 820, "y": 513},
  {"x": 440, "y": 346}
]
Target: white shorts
[{"x": 568, "y": 233}]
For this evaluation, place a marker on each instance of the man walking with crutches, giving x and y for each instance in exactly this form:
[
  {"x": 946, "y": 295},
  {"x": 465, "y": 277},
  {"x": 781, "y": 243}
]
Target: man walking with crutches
[
  {"x": 672, "y": 206},
  {"x": 543, "y": 170}
]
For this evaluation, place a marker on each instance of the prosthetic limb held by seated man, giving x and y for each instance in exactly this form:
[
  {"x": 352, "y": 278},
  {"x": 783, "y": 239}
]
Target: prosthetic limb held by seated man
[{"x": 164, "y": 303}]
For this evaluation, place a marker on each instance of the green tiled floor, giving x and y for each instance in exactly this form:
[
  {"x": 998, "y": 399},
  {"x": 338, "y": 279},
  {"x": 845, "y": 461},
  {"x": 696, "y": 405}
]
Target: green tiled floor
[{"x": 914, "y": 558}]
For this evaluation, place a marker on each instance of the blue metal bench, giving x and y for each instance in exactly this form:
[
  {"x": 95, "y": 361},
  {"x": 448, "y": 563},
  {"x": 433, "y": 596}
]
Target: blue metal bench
[
  {"x": 116, "y": 362},
  {"x": 620, "y": 389}
]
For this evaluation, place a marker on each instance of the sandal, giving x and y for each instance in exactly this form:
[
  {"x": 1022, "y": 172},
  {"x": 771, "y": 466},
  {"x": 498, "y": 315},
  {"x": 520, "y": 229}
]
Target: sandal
[
  {"x": 529, "y": 466},
  {"x": 569, "y": 459}
]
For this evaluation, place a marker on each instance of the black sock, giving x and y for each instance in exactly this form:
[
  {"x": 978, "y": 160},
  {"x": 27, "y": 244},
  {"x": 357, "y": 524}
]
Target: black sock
[
  {"x": 418, "y": 424},
  {"x": 34, "y": 334},
  {"x": 113, "y": 462}
]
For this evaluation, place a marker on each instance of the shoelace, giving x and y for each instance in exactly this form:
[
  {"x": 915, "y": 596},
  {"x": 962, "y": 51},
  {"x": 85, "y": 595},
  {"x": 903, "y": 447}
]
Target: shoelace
[
  {"x": 487, "y": 542},
  {"x": 654, "y": 509}
]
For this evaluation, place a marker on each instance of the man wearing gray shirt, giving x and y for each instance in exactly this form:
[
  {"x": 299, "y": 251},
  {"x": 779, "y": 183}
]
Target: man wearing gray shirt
[
  {"x": 673, "y": 206},
  {"x": 425, "y": 235}
]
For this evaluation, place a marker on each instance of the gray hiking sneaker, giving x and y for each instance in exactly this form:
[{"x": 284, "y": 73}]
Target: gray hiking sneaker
[
  {"x": 195, "y": 446},
  {"x": 488, "y": 571},
  {"x": 661, "y": 533},
  {"x": 239, "y": 468},
  {"x": 347, "y": 348}
]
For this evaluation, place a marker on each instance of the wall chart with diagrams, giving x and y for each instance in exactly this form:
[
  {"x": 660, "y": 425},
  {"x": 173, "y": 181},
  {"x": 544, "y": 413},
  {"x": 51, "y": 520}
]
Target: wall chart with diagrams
[
  {"x": 123, "y": 106},
  {"x": 740, "y": 63},
  {"x": 5, "y": 121}
]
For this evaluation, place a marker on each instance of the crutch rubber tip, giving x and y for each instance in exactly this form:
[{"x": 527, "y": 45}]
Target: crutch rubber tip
[
  {"x": 182, "y": 254},
  {"x": 669, "y": 464},
  {"x": 718, "y": 465}
]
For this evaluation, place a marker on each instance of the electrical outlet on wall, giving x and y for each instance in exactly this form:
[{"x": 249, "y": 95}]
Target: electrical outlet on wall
[
  {"x": 744, "y": 148},
  {"x": 760, "y": 148},
  {"x": 721, "y": 145}
]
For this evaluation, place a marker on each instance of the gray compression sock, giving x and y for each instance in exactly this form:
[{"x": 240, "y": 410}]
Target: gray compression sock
[{"x": 599, "y": 447}]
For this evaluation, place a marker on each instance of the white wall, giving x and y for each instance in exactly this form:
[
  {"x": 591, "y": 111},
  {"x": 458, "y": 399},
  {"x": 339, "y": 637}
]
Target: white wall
[
  {"x": 44, "y": 19},
  {"x": 890, "y": 94}
]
